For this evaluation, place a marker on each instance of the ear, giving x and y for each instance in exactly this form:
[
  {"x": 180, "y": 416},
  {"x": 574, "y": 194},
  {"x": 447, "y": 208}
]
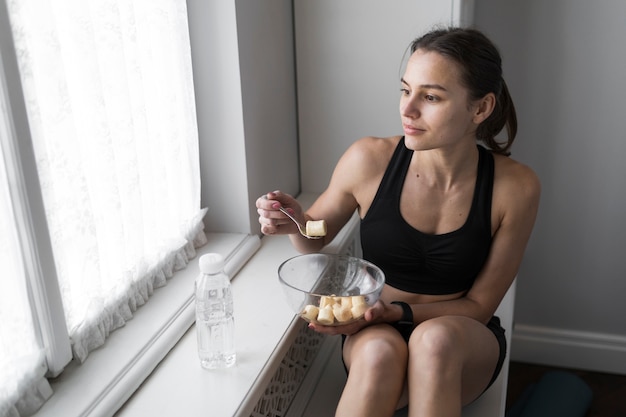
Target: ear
[{"x": 484, "y": 108}]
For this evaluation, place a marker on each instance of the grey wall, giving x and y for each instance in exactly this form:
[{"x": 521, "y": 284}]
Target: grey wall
[
  {"x": 565, "y": 62},
  {"x": 266, "y": 51},
  {"x": 349, "y": 57},
  {"x": 243, "y": 63}
]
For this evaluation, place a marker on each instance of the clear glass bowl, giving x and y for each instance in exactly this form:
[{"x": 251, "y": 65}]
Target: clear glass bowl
[{"x": 330, "y": 289}]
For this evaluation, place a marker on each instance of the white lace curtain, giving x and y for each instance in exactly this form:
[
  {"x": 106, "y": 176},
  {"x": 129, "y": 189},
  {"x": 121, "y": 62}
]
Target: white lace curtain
[{"x": 110, "y": 101}]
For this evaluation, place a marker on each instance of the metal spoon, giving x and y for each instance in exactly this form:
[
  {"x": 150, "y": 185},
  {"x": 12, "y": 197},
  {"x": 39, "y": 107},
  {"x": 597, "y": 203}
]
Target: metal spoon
[{"x": 301, "y": 229}]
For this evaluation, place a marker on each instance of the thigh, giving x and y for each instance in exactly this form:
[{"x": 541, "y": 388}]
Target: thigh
[{"x": 482, "y": 360}]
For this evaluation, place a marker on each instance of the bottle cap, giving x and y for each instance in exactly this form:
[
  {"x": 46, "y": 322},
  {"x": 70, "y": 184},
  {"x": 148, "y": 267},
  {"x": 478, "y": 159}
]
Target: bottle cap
[{"x": 211, "y": 263}]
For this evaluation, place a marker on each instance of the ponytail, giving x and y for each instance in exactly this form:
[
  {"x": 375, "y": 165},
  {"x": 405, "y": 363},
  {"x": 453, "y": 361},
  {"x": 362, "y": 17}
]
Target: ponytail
[{"x": 503, "y": 115}]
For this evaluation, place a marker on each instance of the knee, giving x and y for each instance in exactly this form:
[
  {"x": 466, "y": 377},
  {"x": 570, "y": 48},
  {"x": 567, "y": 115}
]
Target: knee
[
  {"x": 435, "y": 340},
  {"x": 380, "y": 353}
]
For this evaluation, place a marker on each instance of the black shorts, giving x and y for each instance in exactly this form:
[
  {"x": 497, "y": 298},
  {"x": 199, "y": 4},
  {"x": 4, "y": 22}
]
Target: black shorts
[
  {"x": 498, "y": 332},
  {"x": 493, "y": 325}
]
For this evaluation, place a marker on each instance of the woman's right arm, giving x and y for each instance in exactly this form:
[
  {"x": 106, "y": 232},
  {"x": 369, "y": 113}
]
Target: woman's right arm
[{"x": 354, "y": 180}]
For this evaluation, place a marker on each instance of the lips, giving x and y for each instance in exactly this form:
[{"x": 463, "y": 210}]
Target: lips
[{"x": 412, "y": 130}]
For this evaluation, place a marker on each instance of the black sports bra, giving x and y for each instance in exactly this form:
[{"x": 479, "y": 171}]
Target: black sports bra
[{"x": 423, "y": 263}]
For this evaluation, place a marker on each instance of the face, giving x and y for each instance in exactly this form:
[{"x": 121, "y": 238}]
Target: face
[{"x": 434, "y": 106}]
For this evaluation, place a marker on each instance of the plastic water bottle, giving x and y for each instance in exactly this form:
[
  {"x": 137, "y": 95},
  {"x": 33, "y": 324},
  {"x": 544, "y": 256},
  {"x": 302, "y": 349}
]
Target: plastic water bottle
[{"x": 215, "y": 323}]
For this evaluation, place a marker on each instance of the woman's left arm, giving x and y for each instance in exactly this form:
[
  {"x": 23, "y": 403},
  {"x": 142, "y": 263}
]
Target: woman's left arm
[{"x": 514, "y": 209}]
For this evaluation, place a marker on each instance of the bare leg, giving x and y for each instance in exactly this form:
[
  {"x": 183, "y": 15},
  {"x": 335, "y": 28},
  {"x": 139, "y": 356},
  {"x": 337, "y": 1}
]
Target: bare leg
[
  {"x": 451, "y": 361},
  {"x": 377, "y": 359}
]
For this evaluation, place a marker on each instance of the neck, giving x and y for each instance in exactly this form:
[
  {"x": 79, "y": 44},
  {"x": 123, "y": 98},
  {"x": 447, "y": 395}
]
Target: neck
[{"x": 443, "y": 168}]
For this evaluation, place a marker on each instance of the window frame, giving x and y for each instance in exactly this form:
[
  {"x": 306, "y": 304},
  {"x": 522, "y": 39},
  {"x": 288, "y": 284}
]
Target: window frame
[{"x": 28, "y": 208}]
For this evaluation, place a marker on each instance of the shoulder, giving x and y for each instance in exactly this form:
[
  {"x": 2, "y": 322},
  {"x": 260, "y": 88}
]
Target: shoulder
[
  {"x": 515, "y": 175},
  {"x": 516, "y": 186},
  {"x": 370, "y": 153},
  {"x": 372, "y": 145},
  {"x": 362, "y": 166}
]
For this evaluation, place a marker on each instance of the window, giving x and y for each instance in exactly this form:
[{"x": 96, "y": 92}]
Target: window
[
  {"x": 108, "y": 92},
  {"x": 234, "y": 167}
]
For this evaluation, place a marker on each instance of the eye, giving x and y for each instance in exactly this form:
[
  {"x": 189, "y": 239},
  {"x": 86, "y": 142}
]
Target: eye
[
  {"x": 404, "y": 91},
  {"x": 431, "y": 98}
]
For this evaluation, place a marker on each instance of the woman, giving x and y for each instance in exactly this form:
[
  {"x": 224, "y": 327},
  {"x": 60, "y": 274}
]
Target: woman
[{"x": 446, "y": 219}]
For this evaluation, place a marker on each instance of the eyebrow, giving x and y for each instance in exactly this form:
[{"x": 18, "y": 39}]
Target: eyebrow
[{"x": 432, "y": 86}]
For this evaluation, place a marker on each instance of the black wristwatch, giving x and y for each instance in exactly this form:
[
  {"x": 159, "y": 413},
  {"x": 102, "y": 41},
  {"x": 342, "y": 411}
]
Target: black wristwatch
[{"x": 407, "y": 314}]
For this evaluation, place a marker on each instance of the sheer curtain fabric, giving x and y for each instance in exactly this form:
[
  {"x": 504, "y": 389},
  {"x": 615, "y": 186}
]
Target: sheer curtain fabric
[{"x": 110, "y": 102}]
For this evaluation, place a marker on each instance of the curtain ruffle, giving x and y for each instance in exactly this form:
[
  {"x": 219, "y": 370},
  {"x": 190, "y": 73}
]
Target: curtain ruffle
[
  {"x": 31, "y": 392},
  {"x": 91, "y": 335}
]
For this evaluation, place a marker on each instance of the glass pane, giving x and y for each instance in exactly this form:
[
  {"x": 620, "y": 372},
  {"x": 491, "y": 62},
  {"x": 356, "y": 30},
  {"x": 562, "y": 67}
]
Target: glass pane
[{"x": 110, "y": 102}]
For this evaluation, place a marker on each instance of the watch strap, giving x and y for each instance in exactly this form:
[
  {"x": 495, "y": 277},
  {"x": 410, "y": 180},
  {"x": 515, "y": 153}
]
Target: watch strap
[{"x": 407, "y": 313}]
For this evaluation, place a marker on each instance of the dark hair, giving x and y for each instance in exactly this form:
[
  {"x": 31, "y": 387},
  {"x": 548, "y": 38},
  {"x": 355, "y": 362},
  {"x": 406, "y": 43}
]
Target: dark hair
[{"x": 481, "y": 68}]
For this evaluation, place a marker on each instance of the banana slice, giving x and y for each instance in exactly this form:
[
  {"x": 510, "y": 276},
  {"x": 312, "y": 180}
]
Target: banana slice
[
  {"x": 326, "y": 316},
  {"x": 342, "y": 313},
  {"x": 327, "y": 301},
  {"x": 316, "y": 227},
  {"x": 358, "y": 300},
  {"x": 310, "y": 312},
  {"x": 359, "y": 305}
]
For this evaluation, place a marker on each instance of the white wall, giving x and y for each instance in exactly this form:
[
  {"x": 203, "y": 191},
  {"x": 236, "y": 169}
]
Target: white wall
[{"x": 565, "y": 63}]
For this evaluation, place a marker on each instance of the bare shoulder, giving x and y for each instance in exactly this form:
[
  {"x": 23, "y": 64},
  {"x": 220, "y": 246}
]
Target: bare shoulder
[
  {"x": 516, "y": 175},
  {"x": 368, "y": 155},
  {"x": 516, "y": 185},
  {"x": 360, "y": 170}
]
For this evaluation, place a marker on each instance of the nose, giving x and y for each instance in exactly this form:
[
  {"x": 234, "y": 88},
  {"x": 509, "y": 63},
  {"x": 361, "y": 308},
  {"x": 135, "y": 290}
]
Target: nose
[{"x": 409, "y": 107}]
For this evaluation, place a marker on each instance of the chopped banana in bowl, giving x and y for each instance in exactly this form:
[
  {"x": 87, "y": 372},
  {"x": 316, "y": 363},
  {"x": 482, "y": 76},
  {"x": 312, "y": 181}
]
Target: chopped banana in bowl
[{"x": 328, "y": 289}]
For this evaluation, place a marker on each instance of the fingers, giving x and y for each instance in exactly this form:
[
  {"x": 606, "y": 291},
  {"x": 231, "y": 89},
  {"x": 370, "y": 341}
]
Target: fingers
[
  {"x": 275, "y": 199},
  {"x": 347, "y": 329},
  {"x": 271, "y": 219},
  {"x": 266, "y": 200}
]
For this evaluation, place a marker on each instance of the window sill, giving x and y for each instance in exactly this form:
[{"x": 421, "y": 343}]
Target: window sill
[
  {"x": 151, "y": 365},
  {"x": 112, "y": 373},
  {"x": 265, "y": 329}
]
